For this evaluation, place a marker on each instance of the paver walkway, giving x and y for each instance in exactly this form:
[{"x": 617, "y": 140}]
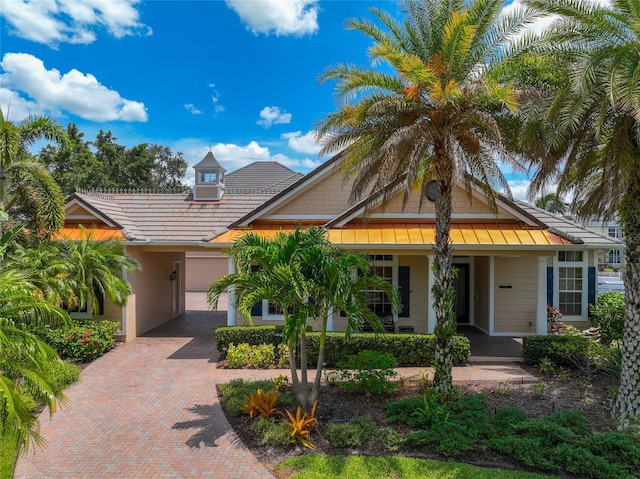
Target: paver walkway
[{"x": 149, "y": 409}]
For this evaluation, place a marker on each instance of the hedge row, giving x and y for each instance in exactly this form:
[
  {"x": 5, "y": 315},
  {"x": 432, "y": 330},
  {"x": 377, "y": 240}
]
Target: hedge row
[
  {"x": 408, "y": 349},
  {"x": 563, "y": 350}
]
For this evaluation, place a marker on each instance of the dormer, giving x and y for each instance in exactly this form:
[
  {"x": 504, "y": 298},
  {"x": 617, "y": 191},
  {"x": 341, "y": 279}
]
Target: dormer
[{"x": 209, "y": 179}]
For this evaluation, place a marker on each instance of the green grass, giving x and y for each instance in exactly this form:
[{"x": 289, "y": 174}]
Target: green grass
[
  {"x": 319, "y": 466},
  {"x": 8, "y": 453}
]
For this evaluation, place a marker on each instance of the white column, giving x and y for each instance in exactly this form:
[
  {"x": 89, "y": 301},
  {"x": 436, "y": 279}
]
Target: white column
[
  {"x": 431, "y": 313},
  {"x": 232, "y": 319},
  {"x": 492, "y": 294},
  {"x": 541, "y": 305},
  {"x": 330, "y": 321}
]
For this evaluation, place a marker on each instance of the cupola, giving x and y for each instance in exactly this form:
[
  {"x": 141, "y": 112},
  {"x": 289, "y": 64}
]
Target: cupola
[{"x": 209, "y": 179}]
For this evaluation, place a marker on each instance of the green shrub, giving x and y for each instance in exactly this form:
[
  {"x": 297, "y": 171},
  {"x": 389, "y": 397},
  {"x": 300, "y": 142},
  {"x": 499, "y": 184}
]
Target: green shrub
[
  {"x": 64, "y": 373},
  {"x": 391, "y": 439},
  {"x": 252, "y": 357},
  {"x": 81, "y": 341},
  {"x": 369, "y": 372},
  {"x": 506, "y": 421},
  {"x": 404, "y": 412},
  {"x": 608, "y": 314},
  {"x": 408, "y": 349},
  {"x": 235, "y": 392},
  {"x": 616, "y": 447},
  {"x": 351, "y": 434},
  {"x": 566, "y": 351},
  {"x": 272, "y": 433},
  {"x": 579, "y": 460},
  {"x": 282, "y": 356}
]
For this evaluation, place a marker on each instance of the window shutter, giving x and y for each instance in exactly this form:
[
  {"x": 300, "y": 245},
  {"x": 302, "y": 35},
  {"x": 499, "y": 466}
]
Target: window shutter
[
  {"x": 591, "y": 286},
  {"x": 404, "y": 287},
  {"x": 256, "y": 310},
  {"x": 550, "y": 285}
]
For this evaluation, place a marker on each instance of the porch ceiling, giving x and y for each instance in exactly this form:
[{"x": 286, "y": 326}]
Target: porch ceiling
[{"x": 499, "y": 234}]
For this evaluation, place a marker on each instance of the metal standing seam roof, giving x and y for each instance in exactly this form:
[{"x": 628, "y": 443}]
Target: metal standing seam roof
[{"x": 477, "y": 234}]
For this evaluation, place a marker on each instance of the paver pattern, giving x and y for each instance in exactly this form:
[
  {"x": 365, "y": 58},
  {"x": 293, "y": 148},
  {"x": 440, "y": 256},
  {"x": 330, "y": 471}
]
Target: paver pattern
[{"x": 149, "y": 409}]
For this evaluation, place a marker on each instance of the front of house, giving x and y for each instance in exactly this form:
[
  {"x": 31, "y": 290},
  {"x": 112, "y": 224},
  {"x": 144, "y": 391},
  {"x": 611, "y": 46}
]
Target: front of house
[{"x": 510, "y": 263}]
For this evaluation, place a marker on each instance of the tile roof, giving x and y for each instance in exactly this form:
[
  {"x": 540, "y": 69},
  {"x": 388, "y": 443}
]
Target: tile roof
[
  {"x": 209, "y": 161},
  {"x": 261, "y": 176}
]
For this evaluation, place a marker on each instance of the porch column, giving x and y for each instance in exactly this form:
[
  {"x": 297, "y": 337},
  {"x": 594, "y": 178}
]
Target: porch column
[
  {"x": 431, "y": 313},
  {"x": 541, "y": 305},
  {"x": 232, "y": 319},
  {"x": 492, "y": 295},
  {"x": 330, "y": 321}
]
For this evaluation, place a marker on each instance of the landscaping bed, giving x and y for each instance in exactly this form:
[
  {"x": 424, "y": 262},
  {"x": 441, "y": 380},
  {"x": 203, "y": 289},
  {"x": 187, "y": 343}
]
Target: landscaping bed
[{"x": 555, "y": 391}]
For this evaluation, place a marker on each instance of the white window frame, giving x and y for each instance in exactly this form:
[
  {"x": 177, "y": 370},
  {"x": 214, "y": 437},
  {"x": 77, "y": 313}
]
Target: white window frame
[
  {"x": 584, "y": 264},
  {"x": 202, "y": 174},
  {"x": 393, "y": 262}
]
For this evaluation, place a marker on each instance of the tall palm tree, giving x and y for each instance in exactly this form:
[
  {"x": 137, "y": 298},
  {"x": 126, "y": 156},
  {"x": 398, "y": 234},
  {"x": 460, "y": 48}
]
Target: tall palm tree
[
  {"x": 595, "y": 133},
  {"x": 433, "y": 114},
  {"x": 26, "y": 188},
  {"x": 305, "y": 278}
]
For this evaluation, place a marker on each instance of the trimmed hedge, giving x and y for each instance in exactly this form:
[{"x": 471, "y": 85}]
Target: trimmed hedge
[
  {"x": 408, "y": 349},
  {"x": 563, "y": 350},
  {"x": 81, "y": 340}
]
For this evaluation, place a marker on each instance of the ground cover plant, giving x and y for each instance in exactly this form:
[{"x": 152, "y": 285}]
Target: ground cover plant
[{"x": 562, "y": 428}]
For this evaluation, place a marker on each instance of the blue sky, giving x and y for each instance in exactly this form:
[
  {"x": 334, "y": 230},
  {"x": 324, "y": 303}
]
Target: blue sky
[{"x": 236, "y": 76}]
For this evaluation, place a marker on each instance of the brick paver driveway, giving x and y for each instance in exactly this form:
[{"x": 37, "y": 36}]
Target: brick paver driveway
[{"x": 147, "y": 409}]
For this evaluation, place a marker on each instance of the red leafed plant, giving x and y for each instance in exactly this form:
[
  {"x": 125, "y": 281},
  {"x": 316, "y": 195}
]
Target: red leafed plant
[{"x": 262, "y": 404}]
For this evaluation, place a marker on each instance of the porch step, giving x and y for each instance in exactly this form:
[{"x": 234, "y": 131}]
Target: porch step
[{"x": 495, "y": 359}]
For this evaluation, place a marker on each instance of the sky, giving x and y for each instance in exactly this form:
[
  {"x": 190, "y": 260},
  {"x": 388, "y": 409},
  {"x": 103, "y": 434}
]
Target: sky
[{"x": 237, "y": 77}]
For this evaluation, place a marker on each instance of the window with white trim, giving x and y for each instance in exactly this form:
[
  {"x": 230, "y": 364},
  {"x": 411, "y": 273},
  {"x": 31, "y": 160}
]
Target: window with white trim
[
  {"x": 614, "y": 256},
  {"x": 207, "y": 176},
  {"x": 378, "y": 301},
  {"x": 572, "y": 282}
]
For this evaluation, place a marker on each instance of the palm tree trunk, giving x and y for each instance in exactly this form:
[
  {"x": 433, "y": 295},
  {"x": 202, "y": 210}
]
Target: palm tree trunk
[
  {"x": 443, "y": 292},
  {"x": 627, "y": 405},
  {"x": 315, "y": 390}
]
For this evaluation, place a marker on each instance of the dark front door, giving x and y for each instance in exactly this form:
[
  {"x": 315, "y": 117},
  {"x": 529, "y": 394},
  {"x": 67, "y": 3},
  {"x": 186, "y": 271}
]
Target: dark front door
[{"x": 461, "y": 285}]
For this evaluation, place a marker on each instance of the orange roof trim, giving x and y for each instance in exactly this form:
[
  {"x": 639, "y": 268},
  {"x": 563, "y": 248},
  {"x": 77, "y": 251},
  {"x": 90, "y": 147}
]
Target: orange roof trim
[
  {"x": 101, "y": 233},
  {"x": 502, "y": 234}
]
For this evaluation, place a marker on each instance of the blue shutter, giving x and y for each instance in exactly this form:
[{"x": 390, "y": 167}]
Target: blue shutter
[
  {"x": 591, "y": 286},
  {"x": 550, "y": 285},
  {"x": 404, "y": 287},
  {"x": 256, "y": 310}
]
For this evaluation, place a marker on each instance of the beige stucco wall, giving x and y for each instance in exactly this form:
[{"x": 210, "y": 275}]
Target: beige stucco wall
[
  {"x": 481, "y": 292},
  {"x": 515, "y": 307},
  {"x": 204, "y": 268},
  {"x": 153, "y": 302}
]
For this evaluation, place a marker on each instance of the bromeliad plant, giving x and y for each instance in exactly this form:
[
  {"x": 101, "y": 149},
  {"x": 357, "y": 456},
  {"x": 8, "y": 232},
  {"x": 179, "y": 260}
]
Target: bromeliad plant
[
  {"x": 262, "y": 404},
  {"x": 301, "y": 425}
]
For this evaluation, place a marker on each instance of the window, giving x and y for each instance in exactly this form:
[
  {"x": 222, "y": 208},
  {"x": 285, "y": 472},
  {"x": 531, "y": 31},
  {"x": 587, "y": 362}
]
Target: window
[
  {"x": 614, "y": 256},
  {"x": 571, "y": 283},
  {"x": 208, "y": 176},
  {"x": 614, "y": 231},
  {"x": 377, "y": 300}
]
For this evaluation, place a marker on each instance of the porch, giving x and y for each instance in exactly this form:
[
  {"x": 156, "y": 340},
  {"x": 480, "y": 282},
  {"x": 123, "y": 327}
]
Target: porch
[{"x": 485, "y": 348}]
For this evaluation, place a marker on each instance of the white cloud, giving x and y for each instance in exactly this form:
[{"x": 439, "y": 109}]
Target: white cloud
[
  {"x": 302, "y": 143},
  {"x": 71, "y": 21},
  {"x": 272, "y": 115},
  {"x": 191, "y": 108},
  {"x": 72, "y": 92},
  {"x": 232, "y": 156},
  {"x": 281, "y": 17},
  {"x": 519, "y": 188}
]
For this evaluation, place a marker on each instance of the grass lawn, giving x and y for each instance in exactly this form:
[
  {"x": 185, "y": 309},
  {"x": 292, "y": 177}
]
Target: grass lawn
[
  {"x": 8, "y": 453},
  {"x": 320, "y": 466}
]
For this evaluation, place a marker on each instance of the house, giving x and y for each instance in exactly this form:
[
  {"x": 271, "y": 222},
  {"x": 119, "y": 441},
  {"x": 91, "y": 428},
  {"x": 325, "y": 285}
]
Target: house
[
  {"x": 168, "y": 234},
  {"x": 511, "y": 262}
]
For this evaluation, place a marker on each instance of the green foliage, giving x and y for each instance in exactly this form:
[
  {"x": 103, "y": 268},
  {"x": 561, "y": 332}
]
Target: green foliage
[
  {"x": 403, "y": 412},
  {"x": 562, "y": 350},
  {"x": 64, "y": 373},
  {"x": 408, "y": 349},
  {"x": 253, "y": 357},
  {"x": 272, "y": 433},
  {"x": 351, "y": 434},
  {"x": 81, "y": 341},
  {"x": 391, "y": 439},
  {"x": 369, "y": 372},
  {"x": 609, "y": 314},
  {"x": 235, "y": 392}
]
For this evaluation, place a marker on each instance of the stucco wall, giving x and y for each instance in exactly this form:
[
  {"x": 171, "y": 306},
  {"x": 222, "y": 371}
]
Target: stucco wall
[
  {"x": 516, "y": 301},
  {"x": 481, "y": 292},
  {"x": 154, "y": 301}
]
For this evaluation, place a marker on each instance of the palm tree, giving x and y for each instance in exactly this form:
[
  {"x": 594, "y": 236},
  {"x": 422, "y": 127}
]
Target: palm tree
[
  {"x": 304, "y": 277},
  {"x": 433, "y": 114},
  {"x": 552, "y": 203},
  {"x": 96, "y": 268},
  {"x": 595, "y": 118},
  {"x": 27, "y": 190}
]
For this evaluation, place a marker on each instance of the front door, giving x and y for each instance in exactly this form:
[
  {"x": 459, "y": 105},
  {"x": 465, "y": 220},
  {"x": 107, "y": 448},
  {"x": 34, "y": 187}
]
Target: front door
[{"x": 461, "y": 285}]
